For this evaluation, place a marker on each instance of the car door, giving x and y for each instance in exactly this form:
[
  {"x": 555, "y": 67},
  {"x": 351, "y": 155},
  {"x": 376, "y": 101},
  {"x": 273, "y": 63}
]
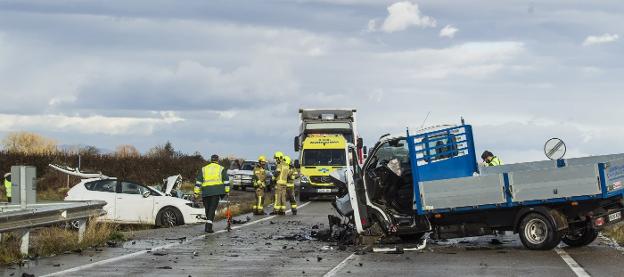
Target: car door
[
  {"x": 103, "y": 190},
  {"x": 132, "y": 205}
]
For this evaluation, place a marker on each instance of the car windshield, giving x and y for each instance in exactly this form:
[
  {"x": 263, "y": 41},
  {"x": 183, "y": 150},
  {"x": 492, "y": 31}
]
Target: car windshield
[
  {"x": 332, "y": 157},
  {"x": 248, "y": 165}
]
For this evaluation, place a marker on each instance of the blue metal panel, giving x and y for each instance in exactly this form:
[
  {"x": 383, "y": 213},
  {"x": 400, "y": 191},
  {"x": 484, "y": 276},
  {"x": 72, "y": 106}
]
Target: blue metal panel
[
  {"x": 603, "y": 180},
  {"x": 415, "y": 175},
  {"x": 444, "y": 163},
  {"x": 508, "y": 192}
]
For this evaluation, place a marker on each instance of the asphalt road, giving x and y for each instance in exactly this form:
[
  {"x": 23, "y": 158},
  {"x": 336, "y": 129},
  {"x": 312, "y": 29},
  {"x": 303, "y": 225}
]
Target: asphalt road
[{"x": 255, "y": 249}]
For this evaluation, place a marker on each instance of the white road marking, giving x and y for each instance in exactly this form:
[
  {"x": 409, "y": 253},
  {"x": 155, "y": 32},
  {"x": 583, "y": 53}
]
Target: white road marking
[
  {"x": 166, "y": 246},
  {"x": 342, "y": 264},
  {"x": 576, "y": 268}
]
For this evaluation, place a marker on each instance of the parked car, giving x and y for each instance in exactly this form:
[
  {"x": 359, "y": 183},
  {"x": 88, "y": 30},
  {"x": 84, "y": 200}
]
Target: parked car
[
  {"x": 133, "y": 203},
  {"x": 243, "y": 178}
]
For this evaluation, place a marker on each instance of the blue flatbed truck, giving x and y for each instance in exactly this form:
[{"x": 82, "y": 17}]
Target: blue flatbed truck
[{"x": 430, "y": 182}]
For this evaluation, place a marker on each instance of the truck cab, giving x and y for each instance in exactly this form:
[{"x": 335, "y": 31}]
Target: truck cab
[
  {"x": 320, "y": 155},
  {"x": 429, "y": 181}
]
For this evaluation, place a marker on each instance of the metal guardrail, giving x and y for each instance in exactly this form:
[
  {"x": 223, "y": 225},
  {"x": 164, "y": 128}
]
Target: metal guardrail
[{"x": 13, "y": 218}]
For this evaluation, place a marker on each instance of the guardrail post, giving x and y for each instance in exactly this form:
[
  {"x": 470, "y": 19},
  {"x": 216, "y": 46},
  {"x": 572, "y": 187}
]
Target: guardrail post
[
  {"x": 82, "y": 227},
  {"x": 25, "y": 242}
]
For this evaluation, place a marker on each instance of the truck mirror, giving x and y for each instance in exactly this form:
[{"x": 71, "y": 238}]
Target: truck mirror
[
  {"x": 365, "y": 150},
  {"x": 360, "y": 143},
  {"x": 296, "y": 144},
  {"x": 297, "y": 164}
]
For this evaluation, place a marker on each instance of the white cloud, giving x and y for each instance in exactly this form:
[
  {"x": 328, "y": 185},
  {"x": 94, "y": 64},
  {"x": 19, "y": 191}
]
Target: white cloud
[
  {"x": 448, "y": 31},
  {"x": 95, "y": 124},
  {"x": 604, "y": 38},
  {"x": 402, "y": 15},
  {"x": 475, "y": 60}
]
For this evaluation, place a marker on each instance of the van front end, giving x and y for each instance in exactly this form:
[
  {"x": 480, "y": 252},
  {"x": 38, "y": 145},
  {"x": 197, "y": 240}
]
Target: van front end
[{"x": 315, "y": 181}]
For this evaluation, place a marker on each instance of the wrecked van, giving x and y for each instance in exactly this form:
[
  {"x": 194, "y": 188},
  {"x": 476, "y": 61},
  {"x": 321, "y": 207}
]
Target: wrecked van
[{"x": 430, "y": 182}]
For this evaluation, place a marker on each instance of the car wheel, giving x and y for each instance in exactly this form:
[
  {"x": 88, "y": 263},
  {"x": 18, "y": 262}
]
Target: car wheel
[
  {"x": 582, "y": 238},
  {"x": 538, "y": 233},
  {"x": 169, "y": 217}
]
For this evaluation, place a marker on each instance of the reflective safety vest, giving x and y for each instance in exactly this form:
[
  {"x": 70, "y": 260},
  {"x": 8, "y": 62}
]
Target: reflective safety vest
[
  {"x": 494, "y": 162},
  {"x": 260, "y": 176},
  {"x": 293, "y": 174},
  {"x": 282, "y": 177},
  {"x": 8, "y": 186},
  {"x": 212, "y": 175}
]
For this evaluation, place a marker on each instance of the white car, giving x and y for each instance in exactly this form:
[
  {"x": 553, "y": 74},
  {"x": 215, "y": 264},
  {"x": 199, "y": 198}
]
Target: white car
[{"x": 133, "y": 203}]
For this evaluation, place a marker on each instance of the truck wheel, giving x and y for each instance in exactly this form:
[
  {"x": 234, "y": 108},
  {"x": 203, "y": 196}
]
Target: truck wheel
[
  {"x": 169, "y": 217},
  {"x": 585, "y": 237},
  {"x": 538, "y": 233}
]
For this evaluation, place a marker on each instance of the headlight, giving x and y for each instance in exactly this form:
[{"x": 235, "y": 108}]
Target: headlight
[{"x": 304, "y": 179}]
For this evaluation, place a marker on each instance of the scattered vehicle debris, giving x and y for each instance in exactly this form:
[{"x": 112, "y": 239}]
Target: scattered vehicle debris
[{"x": 241, "y": 221}]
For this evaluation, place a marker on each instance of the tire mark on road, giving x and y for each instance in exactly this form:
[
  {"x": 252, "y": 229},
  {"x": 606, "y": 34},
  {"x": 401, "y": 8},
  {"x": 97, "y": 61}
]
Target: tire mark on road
[
  {"x": 576, "y": 268},
  {"x": 166, "y": 246}
]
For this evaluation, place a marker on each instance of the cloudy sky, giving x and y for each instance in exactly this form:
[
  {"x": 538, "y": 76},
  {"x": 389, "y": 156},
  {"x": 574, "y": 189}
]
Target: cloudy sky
[{"x": 229, "y": 76}]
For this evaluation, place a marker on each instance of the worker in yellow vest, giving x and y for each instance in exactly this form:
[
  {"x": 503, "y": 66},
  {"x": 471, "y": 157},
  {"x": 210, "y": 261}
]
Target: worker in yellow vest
[
  {"x": 281, "y": 179},
  {"x": 8, "y": 186},
  {"x": 212, "y": 185},
  {"x": 490, "y": 160},
  {"x": 290, "y": 186},
  {"x": 259, "y": 182}
]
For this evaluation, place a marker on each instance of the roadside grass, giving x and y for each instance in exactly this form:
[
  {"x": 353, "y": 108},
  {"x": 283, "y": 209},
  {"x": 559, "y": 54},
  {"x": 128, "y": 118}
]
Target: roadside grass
[
  {"x": 616, "y": 233},
  {"x": 52, "y": 194},
  {"x": 55, "y": 240}
]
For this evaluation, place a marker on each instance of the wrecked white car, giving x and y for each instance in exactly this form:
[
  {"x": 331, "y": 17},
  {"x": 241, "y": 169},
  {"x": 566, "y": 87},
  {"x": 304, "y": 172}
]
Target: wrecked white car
[{"x": 134, "y": 203}]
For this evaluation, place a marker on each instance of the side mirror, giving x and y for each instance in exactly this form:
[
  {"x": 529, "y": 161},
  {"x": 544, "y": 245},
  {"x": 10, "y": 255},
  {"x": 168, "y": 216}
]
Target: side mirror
[
  {"x": 296, "y": 144},
  {"x": 146, "y": 194},
  {"x": 360, "y": 142},
  {"x": 297, "y": 164},
  {"x": 365, "y": 150}
]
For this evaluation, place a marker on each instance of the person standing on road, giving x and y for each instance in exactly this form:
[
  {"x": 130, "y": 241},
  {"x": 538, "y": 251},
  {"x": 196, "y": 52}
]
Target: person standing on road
[
  {"x": 212, "y": 184},
  {"x": 281, "y": 179},
  {"x": 290, "y": 186},
  {"x": 8, "y": 186},
  {"x": 490, "y": 160},
  {"x": 259, "y": 182}
]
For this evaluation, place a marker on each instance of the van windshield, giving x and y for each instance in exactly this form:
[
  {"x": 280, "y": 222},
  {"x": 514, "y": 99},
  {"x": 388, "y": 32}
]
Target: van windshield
[{"x": 331, "y": 157}]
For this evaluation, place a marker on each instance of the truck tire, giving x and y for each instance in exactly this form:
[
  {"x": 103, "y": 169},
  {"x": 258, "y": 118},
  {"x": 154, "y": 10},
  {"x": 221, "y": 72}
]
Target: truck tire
[
  {"x": 587, "y": 236},
  {"x": 538, "y": 233},
  {"x": 169, "y": 217}
]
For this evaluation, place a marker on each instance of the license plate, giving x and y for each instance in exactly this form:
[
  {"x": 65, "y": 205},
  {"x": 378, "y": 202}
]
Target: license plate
[
  {"x": 615, "y": 216},
  {"x": 324, "y": 190}
]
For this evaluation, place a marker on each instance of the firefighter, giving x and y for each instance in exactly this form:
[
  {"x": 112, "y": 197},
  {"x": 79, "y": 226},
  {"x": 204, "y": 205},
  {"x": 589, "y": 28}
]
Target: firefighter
[
  {"x": 8, "y": 186},
  {"x": 490, "y": 160},
  {"x": 290, "y": 186},
  {"x": 259, "y": 182},
  {"x": 281, "y": 179},
  {"x": 212, "y": 185}
]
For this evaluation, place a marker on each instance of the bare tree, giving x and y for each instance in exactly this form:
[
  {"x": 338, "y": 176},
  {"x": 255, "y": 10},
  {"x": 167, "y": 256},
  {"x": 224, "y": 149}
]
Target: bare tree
[
  {"x": 127, "y": 151},
  {"x": 29, "y": 143}
]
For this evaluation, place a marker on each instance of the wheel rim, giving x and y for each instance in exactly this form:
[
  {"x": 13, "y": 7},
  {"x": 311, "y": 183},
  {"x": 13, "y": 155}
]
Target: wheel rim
[
  {"x": 169, "y": 218},
  {"x": 536, "y": 231}
]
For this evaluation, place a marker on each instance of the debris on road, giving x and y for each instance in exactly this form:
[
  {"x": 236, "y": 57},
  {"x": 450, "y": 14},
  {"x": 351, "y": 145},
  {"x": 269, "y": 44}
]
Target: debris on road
[{"x": 241, "y": 221}]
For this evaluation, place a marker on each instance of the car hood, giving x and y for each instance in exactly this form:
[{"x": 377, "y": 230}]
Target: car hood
[{"x": 172, "y": 182}]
